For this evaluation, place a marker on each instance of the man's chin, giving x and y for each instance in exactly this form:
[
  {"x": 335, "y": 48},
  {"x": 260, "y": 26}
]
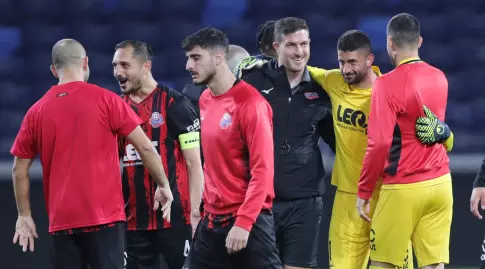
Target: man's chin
[{"x": 199, "y": 82}]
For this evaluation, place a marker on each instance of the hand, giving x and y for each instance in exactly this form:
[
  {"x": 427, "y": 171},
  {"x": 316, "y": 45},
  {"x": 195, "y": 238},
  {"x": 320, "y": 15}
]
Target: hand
[
  {"x": 194, "y": 220},
  {"x": 249, "y": 63},
  {"x": 478, "y": 197},
  {"x": 431, "y": 130},
  {"x": 164, "y": 197},
  {"x": 25, "y": 232},
  {"x": 237, "y": 239},
  {"x": 363, "y": 206}
]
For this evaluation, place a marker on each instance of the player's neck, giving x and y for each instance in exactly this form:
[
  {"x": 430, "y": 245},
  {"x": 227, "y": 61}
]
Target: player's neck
[
  {"x": 368, "y": 81},
  {"x": 68, "y": 76},
  {"x": 294, "y": 78},
  {"x": 222, "y": 82},
  {"x": 146, "y": 89},
  {"x": 405, "y": 54}
]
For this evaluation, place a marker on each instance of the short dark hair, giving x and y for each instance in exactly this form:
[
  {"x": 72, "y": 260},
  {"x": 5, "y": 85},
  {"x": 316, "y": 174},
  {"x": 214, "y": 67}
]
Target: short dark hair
[
  {"x": 207, "y": 38},
  {"x": 353, "y": 40},
  {"x": 140, "y": 48},
  {"x": 289, "y": 25},
  {"x": 265, "y": 35},
  {"x": 404, "y": 30}
]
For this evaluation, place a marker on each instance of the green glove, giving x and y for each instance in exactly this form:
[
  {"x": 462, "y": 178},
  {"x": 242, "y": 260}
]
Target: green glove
[
  {"x": 431, "y": 130},
  {"x": 249, "y": 63}
]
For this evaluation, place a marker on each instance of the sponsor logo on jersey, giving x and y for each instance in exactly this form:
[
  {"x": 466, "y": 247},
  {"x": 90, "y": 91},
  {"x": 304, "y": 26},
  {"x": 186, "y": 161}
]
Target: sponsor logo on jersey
[{"x": 311, "y": 95}]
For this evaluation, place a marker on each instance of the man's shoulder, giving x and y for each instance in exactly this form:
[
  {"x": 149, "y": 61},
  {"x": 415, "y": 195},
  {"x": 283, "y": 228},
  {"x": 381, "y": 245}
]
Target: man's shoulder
[
  {"x": 97, "y": 89},
  {"x": 249, "y": 95},
  {"x": 193, "y": 91},
  {"x": 334, "y": 78}
]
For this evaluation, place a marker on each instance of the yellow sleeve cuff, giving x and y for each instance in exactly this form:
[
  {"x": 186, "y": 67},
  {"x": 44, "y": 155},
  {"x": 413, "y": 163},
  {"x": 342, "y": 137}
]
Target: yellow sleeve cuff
[
  {"x": 189, "y": 140},
  {"x": 449, "y": 142}
]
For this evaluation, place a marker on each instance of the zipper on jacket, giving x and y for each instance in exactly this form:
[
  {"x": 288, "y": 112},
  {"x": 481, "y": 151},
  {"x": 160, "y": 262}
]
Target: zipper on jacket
[{"x": 285, "y": 149}]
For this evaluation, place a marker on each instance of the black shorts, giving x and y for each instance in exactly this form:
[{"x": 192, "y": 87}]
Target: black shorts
[
  {"x": 149, "y": 249},
  {"x": 101, "y": 248},
  {"x": 209, "y": 251},
  {"x": 297, "y": 227}
]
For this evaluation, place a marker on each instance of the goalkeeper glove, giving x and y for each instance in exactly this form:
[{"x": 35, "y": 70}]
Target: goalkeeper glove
[
  {"x": 431, "y": 130},
  {"x": 249, "y": 63}
]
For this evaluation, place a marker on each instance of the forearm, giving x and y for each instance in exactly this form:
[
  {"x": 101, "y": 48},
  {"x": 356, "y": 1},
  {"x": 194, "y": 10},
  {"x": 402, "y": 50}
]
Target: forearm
[
  {"x": 253, "y": 204},
  {"x": 196, "y": 183},
  {"x": 480, "y": 178},
  {"x": 153, "y": 163},
  {"x": 21, "y": 186}
]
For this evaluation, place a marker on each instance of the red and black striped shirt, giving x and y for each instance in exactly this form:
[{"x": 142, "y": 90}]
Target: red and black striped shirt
[{"x": 166, "y": 114}]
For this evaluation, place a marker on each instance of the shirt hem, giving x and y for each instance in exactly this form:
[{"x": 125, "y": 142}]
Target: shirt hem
[
  {"x": 88, "y": 224},
  {"x": 415, "y": 178}
]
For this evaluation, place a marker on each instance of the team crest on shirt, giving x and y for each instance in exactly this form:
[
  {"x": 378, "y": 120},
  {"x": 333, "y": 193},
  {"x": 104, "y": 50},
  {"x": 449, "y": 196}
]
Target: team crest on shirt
[
  {"x": 311, "y": 95},
  {"x": 156, "y": 120},
  {"x": 226, "y": 121}
]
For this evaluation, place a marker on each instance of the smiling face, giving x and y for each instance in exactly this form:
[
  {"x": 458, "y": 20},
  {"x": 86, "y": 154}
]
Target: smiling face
[
  {"x": 128, "y": 70},
  {"x": 354, "y": 65},
  {"x": 294, "y": 50}
]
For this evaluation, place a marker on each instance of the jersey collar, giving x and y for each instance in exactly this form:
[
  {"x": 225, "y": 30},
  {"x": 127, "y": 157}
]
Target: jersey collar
[{"x": 409, "y": 60}]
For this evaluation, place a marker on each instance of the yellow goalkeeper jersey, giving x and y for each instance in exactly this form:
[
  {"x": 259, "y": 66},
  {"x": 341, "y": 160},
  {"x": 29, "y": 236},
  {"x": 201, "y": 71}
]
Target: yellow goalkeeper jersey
[{"x": 350, "y": 109}]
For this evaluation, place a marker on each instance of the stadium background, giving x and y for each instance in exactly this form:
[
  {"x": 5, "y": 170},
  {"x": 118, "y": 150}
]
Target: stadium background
[{"x": 453, "y": 41}]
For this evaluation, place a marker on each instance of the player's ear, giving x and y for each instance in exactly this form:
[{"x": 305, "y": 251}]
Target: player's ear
[
  {"x": 54, "y": 72},
  {"x": 420, "y": 41},
  {"x": 219, "y": 57},
  {"x": 390, "y": 44},
  {"x": 370, "y": 60},
  {"x": 86, "y": 63},
  {"x": 276, "y": 45},
  {"x": 147, "y": 66}
]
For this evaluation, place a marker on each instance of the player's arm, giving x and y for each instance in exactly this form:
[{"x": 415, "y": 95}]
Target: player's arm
[
  {"x": 24, "y": 150},
  {"x": 479, "y": 181},
  {"x": 323, "y": 78},
  {"x": 382, "y": 121},
  {"x": 430, "y": 130},
  {"x": 183, "y": 123},
  {"x": 21, "y": 185},
  {"x": 257, "y": 131},
  {"x": 327, "y": 131},
  {"x": 124, "y": 122}
]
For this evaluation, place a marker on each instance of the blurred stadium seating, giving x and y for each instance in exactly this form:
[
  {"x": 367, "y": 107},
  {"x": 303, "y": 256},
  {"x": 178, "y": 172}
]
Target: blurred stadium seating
[{"x": 453, "y": 41}]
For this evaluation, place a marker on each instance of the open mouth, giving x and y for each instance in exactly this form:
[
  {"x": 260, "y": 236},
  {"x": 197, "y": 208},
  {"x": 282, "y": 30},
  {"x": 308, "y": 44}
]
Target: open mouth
[{"x": 122, "y": 82}]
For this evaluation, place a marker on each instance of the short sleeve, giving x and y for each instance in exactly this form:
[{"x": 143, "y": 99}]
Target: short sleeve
[
  {"x": 182, "y": 117},
  {"x": 25, "y": 144},
  {"x": 123, "y": 120}
]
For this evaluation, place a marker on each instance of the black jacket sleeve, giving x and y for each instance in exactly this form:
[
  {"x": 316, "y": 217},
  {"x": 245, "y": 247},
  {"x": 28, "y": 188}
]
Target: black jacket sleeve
[
  {"x": 326, "y": 130},
  {"x": 480, "y": 178}
]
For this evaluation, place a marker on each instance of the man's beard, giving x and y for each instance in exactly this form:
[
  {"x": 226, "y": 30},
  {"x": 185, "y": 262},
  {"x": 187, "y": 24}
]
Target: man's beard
[
  {"x": 207, "y": 80},
  {"x": 359, "y": 77},
  {"x": 137, "y": 85}
]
